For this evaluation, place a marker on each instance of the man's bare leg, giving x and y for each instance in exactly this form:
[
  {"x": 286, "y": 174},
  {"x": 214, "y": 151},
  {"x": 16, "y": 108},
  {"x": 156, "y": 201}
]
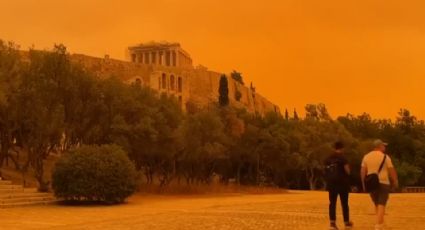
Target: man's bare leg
[{"x": 380, "y": 213}]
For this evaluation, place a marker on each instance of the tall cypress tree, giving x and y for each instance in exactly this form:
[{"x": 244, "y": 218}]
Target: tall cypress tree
[
  {"x": 296, "y": 115},
  {"x": 286, "y": 114},
  {"x": 223, "y": 91}
]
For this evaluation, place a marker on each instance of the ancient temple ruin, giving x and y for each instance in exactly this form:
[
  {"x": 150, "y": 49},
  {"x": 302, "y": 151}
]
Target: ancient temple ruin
[{"x": 162, "y": 54}]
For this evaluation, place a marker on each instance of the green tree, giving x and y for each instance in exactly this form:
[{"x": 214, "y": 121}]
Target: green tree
[
  {"x": 11, "y": 70},
  {"x": 223, "y": 91},
  {"x": 41, "y": 112},
  {"x": 408, "y": 174},
  {"x": 317, "y": 112},
  {"x": 143, "y": 123},
  {"x": 203, "y": 142},
  {"x": 237, "y": 76},
  {"x": 296, "y": 117},
  {"x": 286, "y": 114},
  {"x": 362, "y": 126},
  {"x": 314, "y": 143}
]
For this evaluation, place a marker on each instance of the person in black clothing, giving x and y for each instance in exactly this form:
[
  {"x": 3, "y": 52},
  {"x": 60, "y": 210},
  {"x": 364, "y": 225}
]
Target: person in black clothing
[{"x": 337, "y": 173}]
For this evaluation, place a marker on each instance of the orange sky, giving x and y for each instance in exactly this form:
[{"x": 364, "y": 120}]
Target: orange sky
[{"x": 354, "y": 56}]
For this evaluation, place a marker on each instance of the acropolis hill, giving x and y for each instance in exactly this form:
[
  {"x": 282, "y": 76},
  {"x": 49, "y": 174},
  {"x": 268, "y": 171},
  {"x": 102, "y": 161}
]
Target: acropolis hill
[{"x": 167, "y": 68}]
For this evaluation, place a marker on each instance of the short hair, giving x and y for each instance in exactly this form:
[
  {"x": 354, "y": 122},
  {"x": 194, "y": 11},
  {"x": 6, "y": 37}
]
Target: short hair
[{"x": 339, "y": 145}]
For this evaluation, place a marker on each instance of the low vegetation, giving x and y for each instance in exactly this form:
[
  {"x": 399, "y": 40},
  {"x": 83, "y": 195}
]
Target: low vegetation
[{"x": 95, "y": 173}]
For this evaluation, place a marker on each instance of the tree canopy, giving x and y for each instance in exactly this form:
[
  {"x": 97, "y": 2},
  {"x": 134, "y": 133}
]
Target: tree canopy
[{"x": 48, "y": 105}]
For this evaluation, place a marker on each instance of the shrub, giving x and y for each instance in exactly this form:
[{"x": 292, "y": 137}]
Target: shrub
[{"x": 94, "y": 173}]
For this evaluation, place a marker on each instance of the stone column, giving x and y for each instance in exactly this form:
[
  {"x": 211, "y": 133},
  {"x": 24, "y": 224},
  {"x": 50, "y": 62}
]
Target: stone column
[
  {"x": 159, "y": 58},
  {"x": 141, "y": 58},
  {"x": 177, "y": 58},
  {"x": 155, "y": 61},
  {"x": 163, "y": 58},
  {"x": 134, "y": 57},
  {"x": 145, "y": 59},
  {"x": 170, "y": 58},
  {"x": 149, "y": 57}
]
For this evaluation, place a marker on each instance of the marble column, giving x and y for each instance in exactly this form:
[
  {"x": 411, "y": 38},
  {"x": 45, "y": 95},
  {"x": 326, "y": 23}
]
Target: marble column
[
  {"x": 177, "y": 57},
  {"x": 163, "y": 58},
  {"x": 155, "y": 61},
  {"x": 168, "y": 58},
  {"x": 158, "y": 54}
]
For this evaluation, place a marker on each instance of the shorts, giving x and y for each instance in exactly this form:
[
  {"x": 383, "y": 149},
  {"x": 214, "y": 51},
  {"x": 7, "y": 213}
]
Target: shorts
[{"x": 381, "y": 195}]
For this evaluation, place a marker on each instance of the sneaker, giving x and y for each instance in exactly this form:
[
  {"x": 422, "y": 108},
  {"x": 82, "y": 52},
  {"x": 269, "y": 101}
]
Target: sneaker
[
  {"x": 348, "y": 225},
  {"x": 333, "y": 227}
]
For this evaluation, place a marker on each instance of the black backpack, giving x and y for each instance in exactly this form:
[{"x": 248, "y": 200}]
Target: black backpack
[{"x": 333, "y": 174}]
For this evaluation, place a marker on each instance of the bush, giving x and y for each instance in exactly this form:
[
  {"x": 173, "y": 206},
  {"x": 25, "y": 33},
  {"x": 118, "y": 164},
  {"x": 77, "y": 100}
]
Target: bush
[{"x": 94, "y": 173}]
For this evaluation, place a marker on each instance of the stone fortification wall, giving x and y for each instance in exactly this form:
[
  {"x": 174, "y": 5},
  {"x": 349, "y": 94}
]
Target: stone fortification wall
[{"x": 197, "y": 85}]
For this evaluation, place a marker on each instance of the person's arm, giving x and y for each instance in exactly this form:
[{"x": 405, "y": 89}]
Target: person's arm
[
  {"x": 346, "y": 165},
  {"x": 347, "y": 169},
  {"x": 393, "y": 177},
  {"x": 392, "y": 173},
  {"x": 363, "y": 173}
]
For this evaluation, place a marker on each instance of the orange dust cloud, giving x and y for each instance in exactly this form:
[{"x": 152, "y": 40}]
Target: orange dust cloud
[{"x": 354, "y": 56}]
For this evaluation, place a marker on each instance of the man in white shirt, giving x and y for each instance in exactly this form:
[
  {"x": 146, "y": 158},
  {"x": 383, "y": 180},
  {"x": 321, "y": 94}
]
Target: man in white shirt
[{"x": 370, "y": 164}]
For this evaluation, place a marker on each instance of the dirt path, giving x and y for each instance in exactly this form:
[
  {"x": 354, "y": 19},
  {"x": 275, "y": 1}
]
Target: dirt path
[{"x": 296, "y": 210}]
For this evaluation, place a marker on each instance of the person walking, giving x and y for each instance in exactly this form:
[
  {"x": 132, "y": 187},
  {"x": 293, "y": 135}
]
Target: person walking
[
  {"x": 376, "y": 172},
  {"x": 337, "y": 175}
]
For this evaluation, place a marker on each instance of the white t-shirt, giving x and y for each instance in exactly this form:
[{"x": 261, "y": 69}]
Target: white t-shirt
[{"x": 373, "y": 160}]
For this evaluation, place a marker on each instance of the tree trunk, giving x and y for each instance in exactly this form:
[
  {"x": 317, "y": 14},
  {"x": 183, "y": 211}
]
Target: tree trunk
[
  {"x": 4, "y": 147},
  {"x": 258, "y": 170},
  {"x": 311, "y": 178},
  {"x": 238, "y": 174},
  {"x": 39, "y": 175}
]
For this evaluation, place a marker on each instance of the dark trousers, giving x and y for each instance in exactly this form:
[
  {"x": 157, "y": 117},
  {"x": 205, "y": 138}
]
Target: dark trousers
[{"x": 333, "y": 197}]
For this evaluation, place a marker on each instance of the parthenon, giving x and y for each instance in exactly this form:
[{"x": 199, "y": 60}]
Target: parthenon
[{"x": 160, "y": 53}]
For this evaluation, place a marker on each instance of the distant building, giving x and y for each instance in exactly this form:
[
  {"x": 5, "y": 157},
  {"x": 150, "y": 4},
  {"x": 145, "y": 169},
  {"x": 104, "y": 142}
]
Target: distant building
[{"x": 167, "y": 68}]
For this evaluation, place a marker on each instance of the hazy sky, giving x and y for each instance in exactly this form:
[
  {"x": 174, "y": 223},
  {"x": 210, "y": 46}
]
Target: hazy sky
[{"x": 354, "y": 55}]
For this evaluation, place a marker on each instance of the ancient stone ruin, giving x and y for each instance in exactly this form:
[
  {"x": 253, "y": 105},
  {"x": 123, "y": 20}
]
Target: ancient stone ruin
[{"x": 167, "y": 68}]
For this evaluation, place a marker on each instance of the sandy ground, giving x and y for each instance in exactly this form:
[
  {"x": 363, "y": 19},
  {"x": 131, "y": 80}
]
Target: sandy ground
[{"x": 295, "y": 210}]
